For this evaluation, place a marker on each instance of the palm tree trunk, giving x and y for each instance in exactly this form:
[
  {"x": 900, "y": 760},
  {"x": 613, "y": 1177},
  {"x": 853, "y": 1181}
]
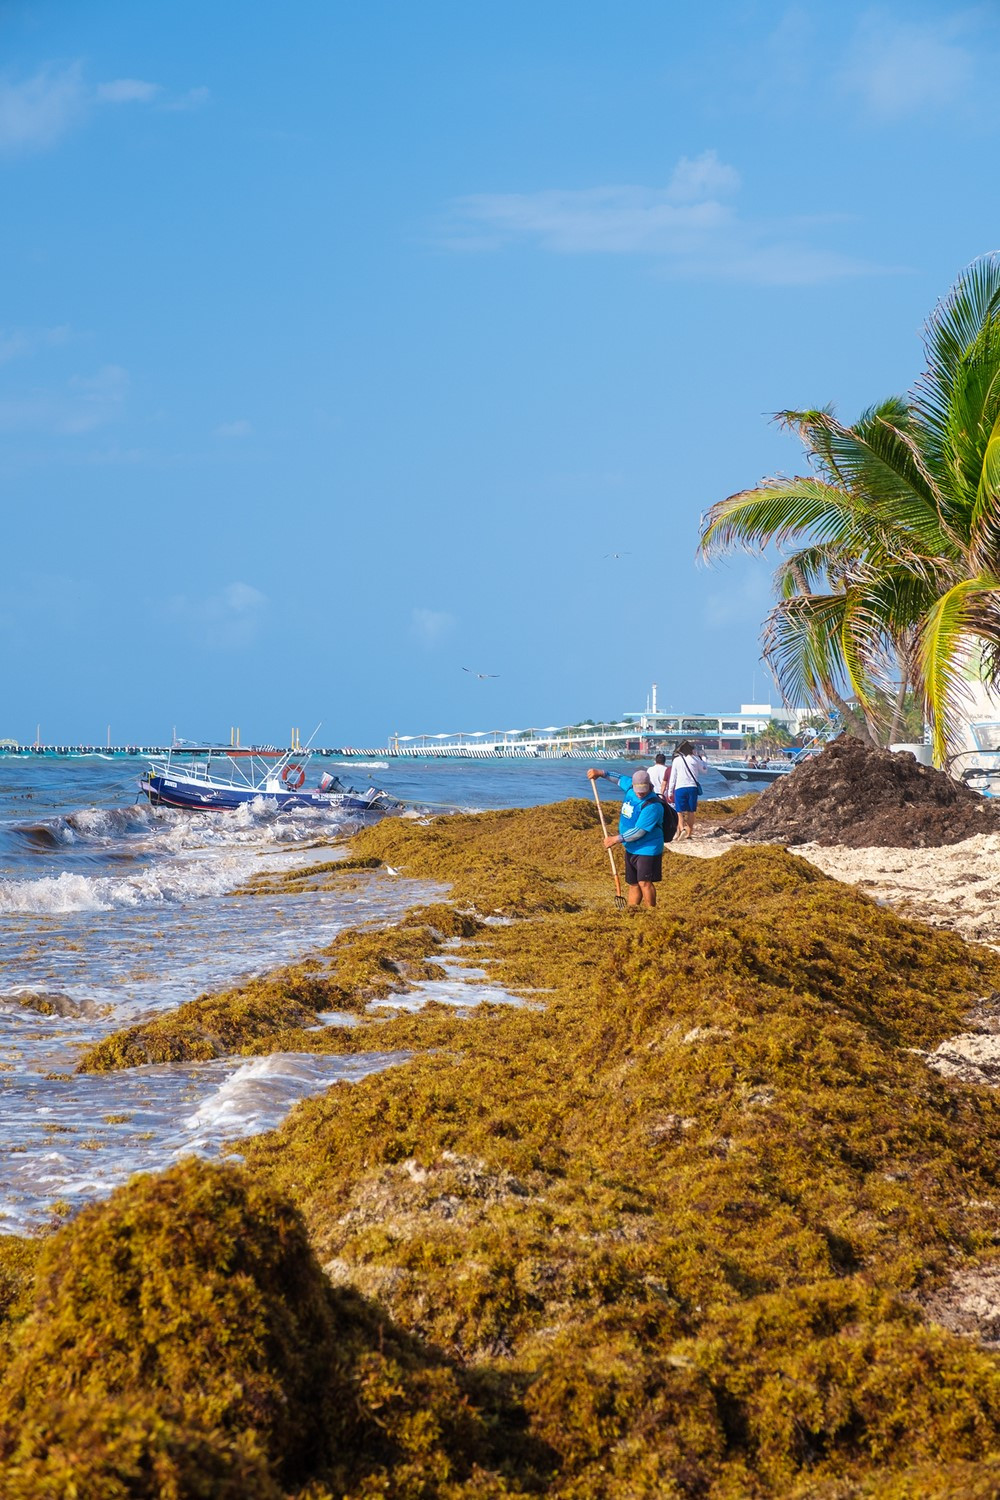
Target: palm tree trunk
[
  {"x": 897, "y": 709},
  {"x": 862, "y": 731},
  {"x": 907, "y": 650}
]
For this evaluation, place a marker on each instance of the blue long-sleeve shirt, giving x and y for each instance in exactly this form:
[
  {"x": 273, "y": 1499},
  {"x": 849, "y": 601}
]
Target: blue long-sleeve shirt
[{"x": 640, "y": 825}]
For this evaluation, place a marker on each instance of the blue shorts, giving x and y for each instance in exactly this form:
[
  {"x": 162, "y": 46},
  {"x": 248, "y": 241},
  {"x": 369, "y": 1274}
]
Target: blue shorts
[{"x": 686, "y": 799}]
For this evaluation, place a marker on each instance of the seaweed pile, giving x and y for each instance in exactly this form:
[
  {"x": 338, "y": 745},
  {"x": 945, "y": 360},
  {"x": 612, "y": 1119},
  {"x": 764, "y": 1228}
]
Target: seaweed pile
[
  {"x": 666, "y": 1230},
  {"x": 865, "y": 797},
  {"x": 183, "y": 1341}
]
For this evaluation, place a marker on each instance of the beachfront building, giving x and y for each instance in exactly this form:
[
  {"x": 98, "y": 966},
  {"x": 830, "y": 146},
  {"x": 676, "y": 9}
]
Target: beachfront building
[{"x": 725, "y": 733}]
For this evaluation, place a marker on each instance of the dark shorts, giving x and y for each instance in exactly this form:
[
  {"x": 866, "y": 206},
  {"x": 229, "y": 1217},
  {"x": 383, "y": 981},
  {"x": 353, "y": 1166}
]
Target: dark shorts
[
  {"x": 640, "y": 868},
  {"x": 686, "y": 799}
]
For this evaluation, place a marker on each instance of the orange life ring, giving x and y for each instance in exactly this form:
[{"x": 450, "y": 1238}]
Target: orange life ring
[{"x": 288, "y": 774}]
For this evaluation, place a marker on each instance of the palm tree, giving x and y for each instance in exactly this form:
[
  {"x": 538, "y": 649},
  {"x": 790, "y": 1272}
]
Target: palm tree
[
  {"x": 776, "y": 736},
  {"x": 890, "y": 549},
  {"x": 849, "y": 597}
]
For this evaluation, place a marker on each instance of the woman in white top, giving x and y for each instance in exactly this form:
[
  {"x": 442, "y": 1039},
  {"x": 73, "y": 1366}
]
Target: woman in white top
[{"x": 683, "y": 786}]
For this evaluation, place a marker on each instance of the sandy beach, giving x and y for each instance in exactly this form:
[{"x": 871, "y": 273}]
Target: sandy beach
[{"x": 956, "y": 887}]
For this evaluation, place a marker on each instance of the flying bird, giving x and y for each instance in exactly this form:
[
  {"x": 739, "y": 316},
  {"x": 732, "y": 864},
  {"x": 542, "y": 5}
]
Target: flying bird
[
  {"x": 617, "y": 554},
  {"x": 481, "y": 675}
]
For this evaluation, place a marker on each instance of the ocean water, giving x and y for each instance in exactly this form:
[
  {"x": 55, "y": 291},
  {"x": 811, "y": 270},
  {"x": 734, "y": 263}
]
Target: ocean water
[{"x": 111, "y": 911}]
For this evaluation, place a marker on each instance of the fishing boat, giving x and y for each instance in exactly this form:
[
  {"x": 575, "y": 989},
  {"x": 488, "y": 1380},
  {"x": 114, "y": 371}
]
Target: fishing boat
[
  {"x": 742, "y": 771},
  {"x": 752, "y": 771},
  {"x": 230, "y": 778}
]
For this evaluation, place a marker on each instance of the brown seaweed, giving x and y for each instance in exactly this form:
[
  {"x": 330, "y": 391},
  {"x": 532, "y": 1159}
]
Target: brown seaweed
[{"x": 665, "y": 1229}]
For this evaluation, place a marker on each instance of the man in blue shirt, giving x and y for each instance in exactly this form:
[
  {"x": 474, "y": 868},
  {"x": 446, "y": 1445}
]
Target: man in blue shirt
[{"x": 640, "y": 832}]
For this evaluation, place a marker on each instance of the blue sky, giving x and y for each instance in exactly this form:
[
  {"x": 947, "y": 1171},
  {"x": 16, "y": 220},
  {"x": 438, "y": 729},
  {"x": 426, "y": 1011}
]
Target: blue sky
[{"x": 340, "y": 344}]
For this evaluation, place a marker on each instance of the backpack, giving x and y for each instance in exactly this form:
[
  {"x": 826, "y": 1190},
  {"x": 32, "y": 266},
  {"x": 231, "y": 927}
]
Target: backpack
[
  {"x": 669, "y": 816},
  {"x": 670, "y": 821}
]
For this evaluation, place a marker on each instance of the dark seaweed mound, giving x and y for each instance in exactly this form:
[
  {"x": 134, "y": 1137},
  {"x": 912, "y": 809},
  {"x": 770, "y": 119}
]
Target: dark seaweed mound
[
  {"x": 864, "y": 797},
  {"x": 181, "y": 1329},
  {"x": 181, "y": 1342}
]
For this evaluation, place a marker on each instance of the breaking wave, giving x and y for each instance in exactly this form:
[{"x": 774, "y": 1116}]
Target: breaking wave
[
  {"x": 165, "y": 883},
  {"x": 259, "y": 1094}
]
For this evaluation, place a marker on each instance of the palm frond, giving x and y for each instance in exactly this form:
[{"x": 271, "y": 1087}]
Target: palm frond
[
  {"x": 973, "y": 408},
  {"x": 811, "y": 570},
  {"x": 813, "y": 427},
  {"x": 945, "y": 639},
  {"x": 885, "y": 461},
  {"x": 875, "y": 458},
  {"x": 913, "y": 437},
  {"x": 952, "y": 399},
  {"x": 778, "y": 511},
  {"x": 802, "y": 645},
  {"x": 984, "y": 526},
  {"x": 972, "y": 303},
  {"x": 900, "y": 600},
  {"x": 785, "y": 511},
  {"x": 989, "y": 662},
  {"x": 868, "y": 651}
]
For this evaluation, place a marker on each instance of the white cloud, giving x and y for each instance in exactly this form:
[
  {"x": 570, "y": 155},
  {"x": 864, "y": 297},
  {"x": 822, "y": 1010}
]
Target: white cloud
[
  {"x": 701, "y": 177},
  {"x": 128, "y": 91},
  {"x": 227, "y": 620},
  {"x": 783, "y": 263},
  {"x": 608, "y": 220},
  {"x": 431, "y": 625},
  {"x": 12, "y": 346},
  {"x": 238, "y": 429},
  {"x": 15, "y": 343},
  {"x": 194, "y": 99},
  {"x": 900, "y": 67},
  {"x": 689, "y": 226},
  {"x": 84, "y": 403},
  {"x": 786, "y": 64},
  {"x": 240, "y": 597},
  {"x": 38, "y": 111},
  {"x": 96, "y": 399}
]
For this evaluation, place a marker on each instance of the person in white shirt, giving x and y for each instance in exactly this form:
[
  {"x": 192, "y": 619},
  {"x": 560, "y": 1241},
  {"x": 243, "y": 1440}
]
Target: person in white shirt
[
  {"x": 683, "y": 787},
  {"x": 658, "y": 774}
]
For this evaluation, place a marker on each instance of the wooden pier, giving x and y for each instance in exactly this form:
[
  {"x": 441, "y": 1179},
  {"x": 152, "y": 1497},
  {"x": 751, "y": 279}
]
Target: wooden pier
[{"x": 113, "y": 752}]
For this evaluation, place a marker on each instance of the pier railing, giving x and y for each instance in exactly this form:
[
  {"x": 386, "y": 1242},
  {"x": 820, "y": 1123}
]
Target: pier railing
[
  {"x": 343, "y": 752},
  {"x": 158, "y": 751}
]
